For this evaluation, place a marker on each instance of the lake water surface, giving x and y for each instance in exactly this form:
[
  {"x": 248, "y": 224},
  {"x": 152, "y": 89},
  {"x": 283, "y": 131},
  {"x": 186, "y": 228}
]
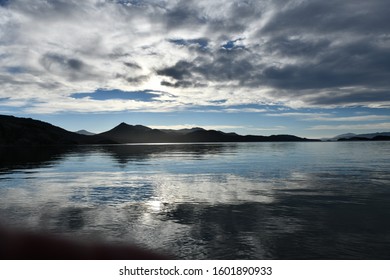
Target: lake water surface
[{"x": 208, "y": 201}]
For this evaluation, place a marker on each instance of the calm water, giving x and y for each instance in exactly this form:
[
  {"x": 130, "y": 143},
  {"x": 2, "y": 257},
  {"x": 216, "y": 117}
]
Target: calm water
[{"x": 209, "y": 201}]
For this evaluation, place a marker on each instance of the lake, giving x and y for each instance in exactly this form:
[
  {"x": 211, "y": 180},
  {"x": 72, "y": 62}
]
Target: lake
[{"x": 316, "y": 200}]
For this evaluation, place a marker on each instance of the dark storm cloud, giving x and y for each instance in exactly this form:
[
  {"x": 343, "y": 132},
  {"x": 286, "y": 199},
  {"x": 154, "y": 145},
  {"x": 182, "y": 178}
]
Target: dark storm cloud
[
  {"x": 231, "y": 16},
  {"x": 358, "y": 98},
  {"x": 52, "y": 60},
  {"x": 359, "y": 63},
  {"x": 181, "y": 70},
  {"x": 224, "y": 65},
  {"x": 132, "y": 65},
  {"x": 238, "y": 16},
  {"x": 183, "y": 84},
  {"x": 331, "y": 16},
  {"x": 132, "y": 79},
  {"x": 305, "y": 49},
  {"x": 72, "y": 68},
  {"x": 137, "y": 79},
  {"x": 179, "y": 84},
  {"x": 184, "y": 14},
  {"x": 285, "y": 46}
]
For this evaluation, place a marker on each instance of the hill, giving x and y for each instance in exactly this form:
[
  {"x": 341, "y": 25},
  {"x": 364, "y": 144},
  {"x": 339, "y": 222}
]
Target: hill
[
  {"x": 125, "y": 133},
  {"x": 27, "y": 132},
  {"x": 360, "y": 137}
]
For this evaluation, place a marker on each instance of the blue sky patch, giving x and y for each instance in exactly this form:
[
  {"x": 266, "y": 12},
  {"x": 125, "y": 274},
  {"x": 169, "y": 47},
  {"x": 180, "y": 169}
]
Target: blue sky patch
[
  {"x": 15, "y": 70},
  {"x": 101, "y": 94},
  {"x": 202, "y": 43},
  {"x": 4, "y": 2},
  {"x": 231, "y": 45}
]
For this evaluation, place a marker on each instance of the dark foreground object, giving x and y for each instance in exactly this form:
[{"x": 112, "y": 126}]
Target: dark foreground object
[{"x": 18, "y": 245}]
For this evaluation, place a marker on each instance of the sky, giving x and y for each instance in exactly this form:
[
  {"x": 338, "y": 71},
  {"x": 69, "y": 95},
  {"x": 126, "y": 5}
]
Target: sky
[{"x": 309, "y": 68}]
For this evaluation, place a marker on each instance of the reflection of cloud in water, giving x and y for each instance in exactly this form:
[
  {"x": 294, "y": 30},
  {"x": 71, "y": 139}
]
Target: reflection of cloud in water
[
  {"x": 247, "y": 201},
  {"x": 213, "y": 189},
  {"x": 121, "y": 187},
  {"x": 193, "y": 215},
  {"x": 203, "y": 215}
]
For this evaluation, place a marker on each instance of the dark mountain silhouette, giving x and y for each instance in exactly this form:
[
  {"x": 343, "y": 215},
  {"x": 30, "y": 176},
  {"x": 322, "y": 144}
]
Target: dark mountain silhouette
[
  {"x": 381, "y": 138},
  {"x": 27, "y": 132},
  {"x": 125, "y": 133},
  {"x": 361, "y": 137},
  {"x": 345, "y": 135},
  {"x": 210, "y": 136},
  {"x": 355, "y": 138},
  {"x": 373, "y": 135}
]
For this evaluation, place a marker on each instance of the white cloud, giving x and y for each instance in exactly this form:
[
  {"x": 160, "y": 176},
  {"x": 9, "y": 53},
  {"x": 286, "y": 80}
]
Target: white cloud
[
  {"x": 244, "y": 110},
  {"x": 274, "y": 128},
  {"x": 364, "y": 118},
  {"x": 329, "y": 117},
  {"x": 375, "y": 126},
  {"x": 52, "y": 49},
  {"x": 299, "y": 115}
]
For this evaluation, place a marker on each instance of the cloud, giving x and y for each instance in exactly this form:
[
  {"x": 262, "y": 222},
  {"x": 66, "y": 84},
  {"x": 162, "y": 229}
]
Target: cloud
[
  {"x": 329, "y": 117},
  {"x": 274, "y": 128},
  {"x": 377, "y": 126},
  {"x": 179, "y": 71},
  {"x": 244, "y": 110},
  {"x": 299, "y": 54},
  {"x": 368, "y": 98},
  {"x": 298, "y": 114},
  {"x": 329, "y": 17},
  {"x": 364, "y": 118},
  {"x": 72, "y": 68}
]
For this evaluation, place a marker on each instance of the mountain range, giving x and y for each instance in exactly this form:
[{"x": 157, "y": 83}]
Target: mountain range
[
  {"x": 27, "y": 131},
  {"x": 360, "y": 137}
]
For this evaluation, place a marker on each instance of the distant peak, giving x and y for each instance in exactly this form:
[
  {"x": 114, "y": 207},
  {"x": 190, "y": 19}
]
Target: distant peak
[
  {"x": 127, "y": 127},
  {"x": 123, "y": 124}
]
